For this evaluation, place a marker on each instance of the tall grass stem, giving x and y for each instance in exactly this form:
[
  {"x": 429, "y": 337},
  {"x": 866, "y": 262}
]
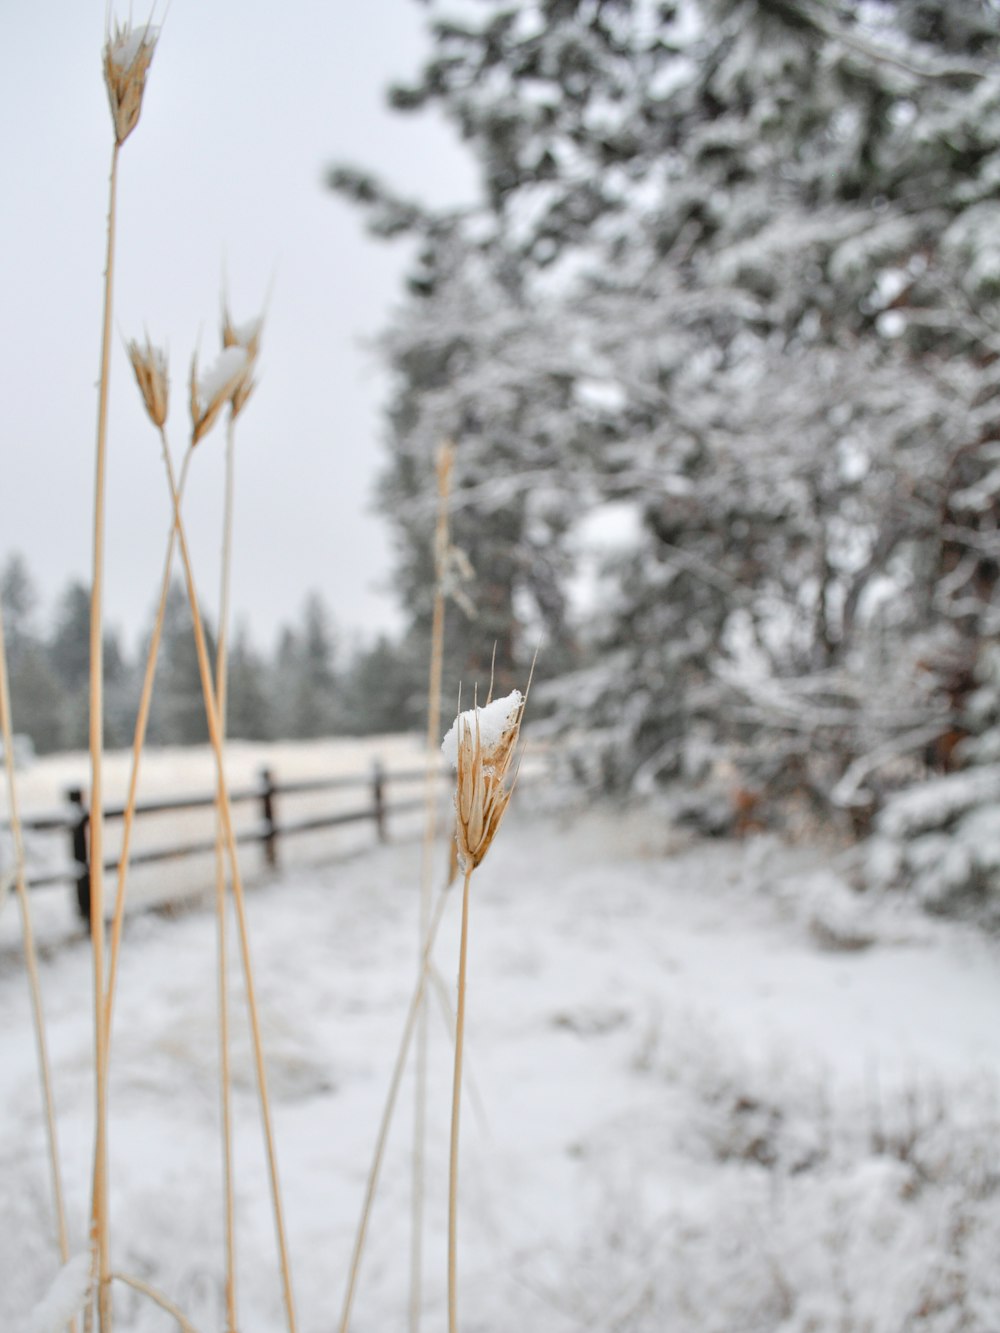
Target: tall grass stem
[
  {"x": 138, "y": 743},
  {"x": 445, "y": 461},
  {"x": 387, "y": 1112},
  {"x": 456, "y": 1100},
  {"x": 31, "y": 956},
  {"x": 99, "y": 1222},
  {"x": 225, "y": 1080},
  {"x": 225, "y": 813}
]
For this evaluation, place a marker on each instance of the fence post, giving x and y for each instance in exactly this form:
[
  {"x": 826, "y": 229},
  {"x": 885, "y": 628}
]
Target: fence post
[
  {"x": 270, "y": 838},
  {"x": 81, "y": 851},
  {"x": 378, "y": 801}
]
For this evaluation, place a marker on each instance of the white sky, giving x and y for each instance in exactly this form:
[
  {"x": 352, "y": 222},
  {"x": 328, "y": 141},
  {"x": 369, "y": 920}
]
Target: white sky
[{"x": 247, "y": 103}]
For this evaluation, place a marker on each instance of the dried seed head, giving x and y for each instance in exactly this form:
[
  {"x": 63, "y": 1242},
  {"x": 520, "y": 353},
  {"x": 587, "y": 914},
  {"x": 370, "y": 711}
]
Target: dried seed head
[
  {"x": 127, "y": 54},
  {"x": 248, "y": 337},
  {"x": 217, "y": 386},
  {"x": 150, "y": 366},
  {"x": 481, "y": 745}
]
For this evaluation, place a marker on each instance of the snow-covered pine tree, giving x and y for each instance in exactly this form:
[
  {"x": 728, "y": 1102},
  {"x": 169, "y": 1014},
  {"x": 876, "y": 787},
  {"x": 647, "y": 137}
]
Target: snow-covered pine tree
[{"x": 754, "y": 244}]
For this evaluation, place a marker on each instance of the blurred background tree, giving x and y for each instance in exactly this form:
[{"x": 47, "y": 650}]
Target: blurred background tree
[{"x": 734, "y": 269}]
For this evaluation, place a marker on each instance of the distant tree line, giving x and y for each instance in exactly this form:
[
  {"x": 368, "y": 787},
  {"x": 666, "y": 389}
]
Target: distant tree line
[{"x": 310, "y": 686}]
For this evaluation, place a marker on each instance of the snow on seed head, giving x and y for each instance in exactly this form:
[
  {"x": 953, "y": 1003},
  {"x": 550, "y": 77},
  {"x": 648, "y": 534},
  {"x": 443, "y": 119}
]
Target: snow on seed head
[
  {"x": 216, "y": 387},
  {"x": 480, "y": 745},
  {"x": 127, "y": 54},
  {"x": 495, "y": 721},
  {"x": 246, "y": 335}
]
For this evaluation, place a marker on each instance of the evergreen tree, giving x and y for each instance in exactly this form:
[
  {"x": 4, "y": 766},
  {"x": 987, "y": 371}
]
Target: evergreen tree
[
  {"x": 69, "y": 642},
  {"x": 19, "y": 600},
  {"x": 385, "y": 689},
  {"x": 745, "y": 254},
  {"x": 121, "y": 695},
  {"x": 177, "y": 714},
  {"x": 35, "y": 696},
  {"x": 249, "y": 704},
  {"x": 305, "y": 688}
]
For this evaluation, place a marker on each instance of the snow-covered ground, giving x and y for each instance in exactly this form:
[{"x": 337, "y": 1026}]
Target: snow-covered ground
[{"x": 709, "y": 1090}]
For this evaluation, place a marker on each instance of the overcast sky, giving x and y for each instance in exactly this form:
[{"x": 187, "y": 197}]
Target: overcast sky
[{"x": 246, "y": 103}]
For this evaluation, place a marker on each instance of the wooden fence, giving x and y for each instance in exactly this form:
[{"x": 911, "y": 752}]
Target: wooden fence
[{"x": 269, "y": 830}]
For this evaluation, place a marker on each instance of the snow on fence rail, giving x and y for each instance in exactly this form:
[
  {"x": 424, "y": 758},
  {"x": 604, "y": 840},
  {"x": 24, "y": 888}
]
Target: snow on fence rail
[{"x": 267, "y": 829}]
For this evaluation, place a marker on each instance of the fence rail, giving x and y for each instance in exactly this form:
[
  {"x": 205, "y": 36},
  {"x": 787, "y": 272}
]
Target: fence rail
[{"x": 268, "y": 831}]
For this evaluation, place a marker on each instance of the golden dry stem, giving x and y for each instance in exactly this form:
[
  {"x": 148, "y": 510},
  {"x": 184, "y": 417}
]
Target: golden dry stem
[
  {"x": 225, "y": 1078},
  {"x": 482, "y": 795},
  {"x": 225, "y": 816},
  {"x": 31, "y": 957},
  {"x": 445, "y": 464},
  {"x": 456, "y": 1104},
  {"x": 409, "y": 1028},
  {"x": 127, "y": 55},
  {"x": 138, "y": 743},
  {"x": 150, "y": 366},
  {"x": 99, "y": 1231}
]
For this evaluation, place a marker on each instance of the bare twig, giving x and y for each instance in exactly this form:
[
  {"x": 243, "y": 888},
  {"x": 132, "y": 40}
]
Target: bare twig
[{"x": 158, "y": 1298}]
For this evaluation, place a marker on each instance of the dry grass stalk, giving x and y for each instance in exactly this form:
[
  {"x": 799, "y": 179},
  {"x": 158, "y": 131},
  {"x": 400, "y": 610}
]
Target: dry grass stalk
[
  {"x": 481, "y": 799},
  {"x": 99, "y": 1218},
  {"x": 138, "y": 743},
  {"x": 31, "y": 956},
  {"x": 387, "y": 1112},
  {"x": 470, "y": 1088},
  {"x": 151, "y": 375},
  {"x": 246, "y": 337},
  {"x": 150, "y": 370},
  {"x": 225, "y": 815},
  {"x": 456, "y": 1101},
  {"x": 158, "y": 1298},
  {"x": 127, "y": 54},
  {"x": 445, "y": 464},
  {"x": 222, "y": 954},
  {"x": 150, "y": 366}
]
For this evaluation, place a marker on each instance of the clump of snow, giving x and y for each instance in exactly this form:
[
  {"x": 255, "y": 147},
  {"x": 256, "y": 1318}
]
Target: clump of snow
[
  {"x": 125, "y": 48},
  {"x": 248, "y": 331},
  {"x": 602, "y": 395},
  {"x": 932, "y": 805},
  {"x": 941, "y": 839},
  {"x": 224, "y": 374},
  {"x": 495, "y": 722},
  {"x": 64, "y": 1299}
]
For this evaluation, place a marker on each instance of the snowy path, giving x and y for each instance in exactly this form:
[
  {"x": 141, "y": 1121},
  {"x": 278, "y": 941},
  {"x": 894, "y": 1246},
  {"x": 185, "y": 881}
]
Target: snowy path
[{"x": 697, "y": 1117}]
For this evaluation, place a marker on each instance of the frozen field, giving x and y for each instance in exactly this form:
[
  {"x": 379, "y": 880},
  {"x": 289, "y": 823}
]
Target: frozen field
[{"x": 712, "y": 1092}]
